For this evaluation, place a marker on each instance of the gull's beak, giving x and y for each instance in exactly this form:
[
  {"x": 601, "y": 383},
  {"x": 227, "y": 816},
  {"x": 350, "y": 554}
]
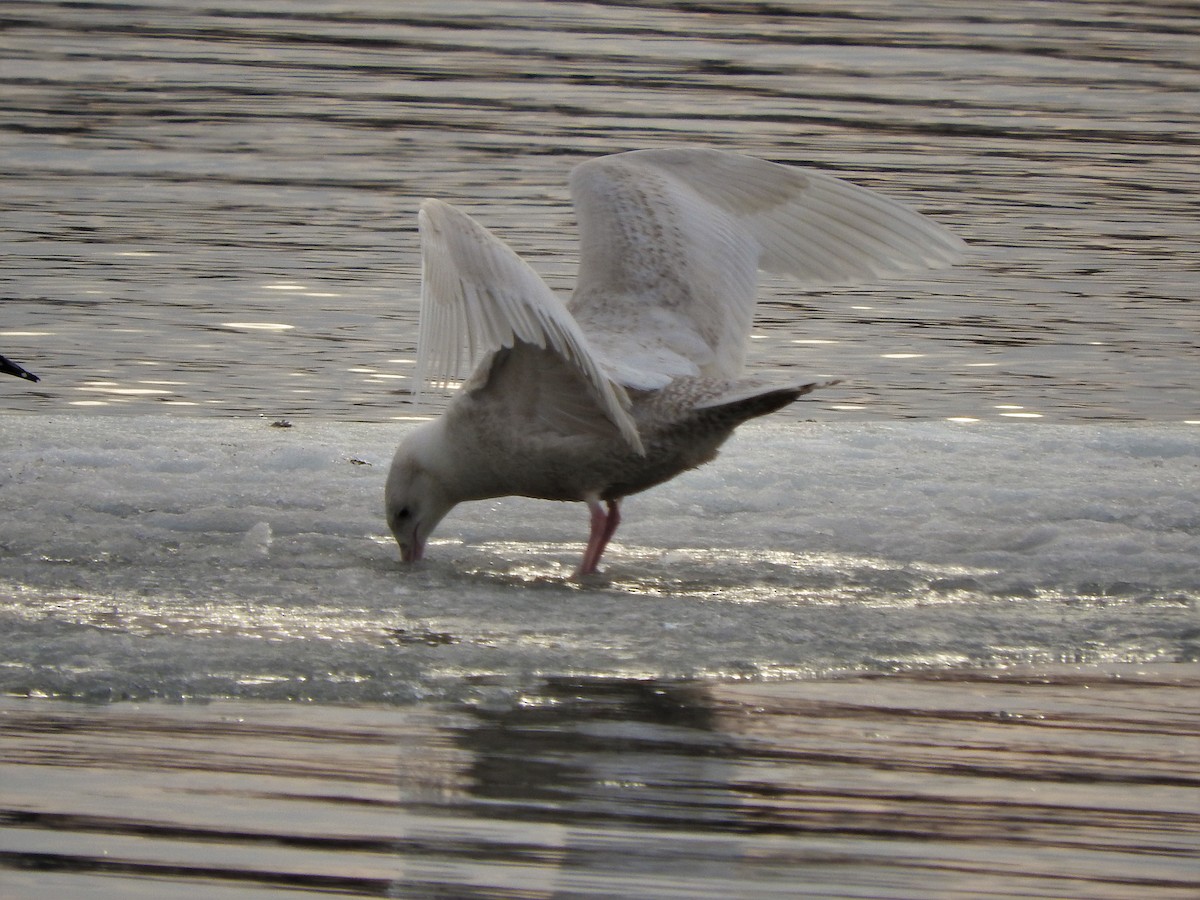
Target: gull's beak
[{"x": 413, "y": 552}]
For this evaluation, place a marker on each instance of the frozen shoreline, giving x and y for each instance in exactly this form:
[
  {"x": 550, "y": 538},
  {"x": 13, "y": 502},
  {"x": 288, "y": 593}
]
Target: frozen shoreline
[
  {"x": 1070, "y": 500},
  {"x": 177, "y": 558}
]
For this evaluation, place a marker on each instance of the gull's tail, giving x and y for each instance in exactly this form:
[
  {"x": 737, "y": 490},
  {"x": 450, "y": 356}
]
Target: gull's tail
[{"x": 749, "y": 399}]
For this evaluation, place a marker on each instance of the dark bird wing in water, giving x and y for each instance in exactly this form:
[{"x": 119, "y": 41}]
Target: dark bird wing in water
[{"x": 8, "y": 367}]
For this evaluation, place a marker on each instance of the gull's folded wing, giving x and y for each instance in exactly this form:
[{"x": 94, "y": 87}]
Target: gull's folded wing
[{"x": 478, "y": 297}]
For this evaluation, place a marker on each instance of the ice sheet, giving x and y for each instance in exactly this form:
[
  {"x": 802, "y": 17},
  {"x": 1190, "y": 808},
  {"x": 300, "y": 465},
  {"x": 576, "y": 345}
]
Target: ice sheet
[{"x": 219, "y": 557}]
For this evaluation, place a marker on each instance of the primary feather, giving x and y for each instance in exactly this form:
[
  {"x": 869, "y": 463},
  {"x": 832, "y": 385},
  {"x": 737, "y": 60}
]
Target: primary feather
[
  {"x": 477, "y": 297},
  {"x": 671, "y": 242}
]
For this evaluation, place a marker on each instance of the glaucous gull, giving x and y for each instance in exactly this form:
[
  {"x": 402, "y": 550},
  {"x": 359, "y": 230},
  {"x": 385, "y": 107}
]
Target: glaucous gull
[{"x": 638, "y": 377}]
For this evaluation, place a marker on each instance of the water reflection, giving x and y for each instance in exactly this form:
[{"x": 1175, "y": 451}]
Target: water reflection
[
  {"x": 578, "y": 740},
  {"x": 1064, "y": 784}
]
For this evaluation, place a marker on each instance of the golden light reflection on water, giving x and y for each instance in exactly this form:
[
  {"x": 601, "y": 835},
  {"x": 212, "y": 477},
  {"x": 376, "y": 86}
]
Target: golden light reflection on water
[
  {"x": 111, "y": 387},
  {"x": 258, "y": 326},
  {"x": 182, "y": 616},
  {"x": 1013, "y": 411},
  {"x": 782, "y": 577}
]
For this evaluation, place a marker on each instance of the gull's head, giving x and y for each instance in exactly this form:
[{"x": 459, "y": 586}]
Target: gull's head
[{"x": 416, "y": 496}]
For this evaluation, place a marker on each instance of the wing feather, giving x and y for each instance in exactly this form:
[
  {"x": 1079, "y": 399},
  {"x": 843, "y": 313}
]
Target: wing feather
[
  {"x": 478, "y": 296},
  {"x": 671, "y": 241}
]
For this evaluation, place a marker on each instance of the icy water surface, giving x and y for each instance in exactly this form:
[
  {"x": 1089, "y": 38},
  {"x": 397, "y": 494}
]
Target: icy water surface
[{"x": 940, "y": 642}]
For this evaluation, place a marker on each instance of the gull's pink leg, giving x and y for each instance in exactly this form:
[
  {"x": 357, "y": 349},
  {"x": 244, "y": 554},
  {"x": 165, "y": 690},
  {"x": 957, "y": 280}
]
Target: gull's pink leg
[
  {"x": 591, "y": 556},
  {"x": 604, "y": 526},
  {"x": 610, "y": 527}
]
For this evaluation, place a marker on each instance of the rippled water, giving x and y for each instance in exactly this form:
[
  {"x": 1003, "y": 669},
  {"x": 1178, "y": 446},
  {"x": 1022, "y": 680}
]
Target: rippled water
[
  {"x": 211, "y": 211},
  {"x": 215, "y": 210},
  {"x": 1067, "y": 785}
]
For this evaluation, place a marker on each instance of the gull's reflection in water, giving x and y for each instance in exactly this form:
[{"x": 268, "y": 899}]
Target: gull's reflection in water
[
  {"x": 914, "y": 783},
  {"x": 1076, "y": 783}
]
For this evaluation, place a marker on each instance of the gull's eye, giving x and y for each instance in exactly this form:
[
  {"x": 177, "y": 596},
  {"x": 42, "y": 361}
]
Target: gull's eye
[{"x": 403, "y": 513}]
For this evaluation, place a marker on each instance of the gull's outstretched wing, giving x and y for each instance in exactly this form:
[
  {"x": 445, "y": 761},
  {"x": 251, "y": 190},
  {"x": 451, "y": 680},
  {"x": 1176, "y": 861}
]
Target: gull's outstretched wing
[
  {"x": 671, "y": 242},
  {"x": 479, "y": 297}
]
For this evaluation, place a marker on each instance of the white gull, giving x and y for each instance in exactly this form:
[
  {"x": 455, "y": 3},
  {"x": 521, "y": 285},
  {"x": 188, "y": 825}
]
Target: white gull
[{"x": 638, "y": 377}]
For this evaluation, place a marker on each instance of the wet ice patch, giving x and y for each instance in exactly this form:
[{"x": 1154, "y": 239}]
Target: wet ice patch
[
  {"x": 172, "y": 556},
  {"x": 257, "y": 541}
]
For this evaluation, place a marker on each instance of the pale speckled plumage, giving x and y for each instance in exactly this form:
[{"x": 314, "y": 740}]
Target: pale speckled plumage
[{"x": 639, "y": 376}]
